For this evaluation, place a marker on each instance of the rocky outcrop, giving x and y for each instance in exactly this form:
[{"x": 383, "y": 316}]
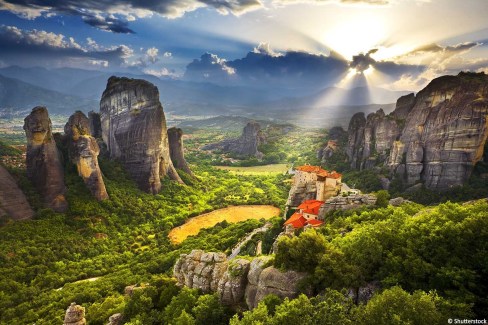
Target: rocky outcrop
[
  {"x": 370, "y": 139},
  {"x": 246, "y": 145},
  {"x": 83, "y": 152},
  {"x": 201, "y": 270},
  {"x": 43, "y": 160},
  {"x": 134, "y": 130},
  {"x": 346, "y": 203},
  {"x": 434, "y": 138},
  {"x": 300, "y": 192},
  {"x": 13, "y": 202},
  {"x": 235, "y": 281},
  {"x": 176, "y": 150},
  {"x": 336, "y": 137},
  {"x": 95, "y": 124},
  {"x": 116, "y": 319},
  {"x": 263, "y": 281},
  {"x": 75, "y": 315}
]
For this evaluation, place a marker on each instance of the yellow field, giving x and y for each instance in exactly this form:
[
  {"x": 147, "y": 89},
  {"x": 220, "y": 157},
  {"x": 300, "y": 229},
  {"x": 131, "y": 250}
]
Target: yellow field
[
  {"x": 256, "y": 170},
  {"x": 230, "y": 214}
]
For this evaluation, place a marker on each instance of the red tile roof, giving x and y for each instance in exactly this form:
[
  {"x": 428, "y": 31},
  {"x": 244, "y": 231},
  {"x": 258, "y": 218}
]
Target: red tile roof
[
  {"x": 297, "y": 220},
  {"x": 319, "y": 171},
  {"x": 311, "y": 206},
  {"x": 314, "y": 222}
]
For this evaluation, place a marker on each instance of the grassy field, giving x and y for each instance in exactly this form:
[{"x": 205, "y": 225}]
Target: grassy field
[
  {"x": 230, "y": 214},
  {"x": 256, "y": 170}
]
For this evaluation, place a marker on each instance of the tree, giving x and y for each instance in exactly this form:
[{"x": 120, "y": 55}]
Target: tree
[
  {"x": 382, "y": 198},
  {"x": 208, "y": 310},
  {"x": 184, "y": 319},
  {"x": 396, "y": 306}
]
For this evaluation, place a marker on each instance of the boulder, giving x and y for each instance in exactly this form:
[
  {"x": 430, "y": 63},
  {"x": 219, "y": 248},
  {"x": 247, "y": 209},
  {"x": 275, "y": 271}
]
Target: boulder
[
  {"x": 43, "y": 160},
  {"x": 134, "y": 130},
  {"x": 83, "y": 152},
  {"x": 116, "y": 319},
  {"x": 232, "y": 285},
  {"x": 13, "y": 202},
  {"x": 75, "y": 315}
]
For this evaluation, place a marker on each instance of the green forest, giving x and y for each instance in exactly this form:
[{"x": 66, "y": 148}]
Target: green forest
[{"x": 427, "y": 261}]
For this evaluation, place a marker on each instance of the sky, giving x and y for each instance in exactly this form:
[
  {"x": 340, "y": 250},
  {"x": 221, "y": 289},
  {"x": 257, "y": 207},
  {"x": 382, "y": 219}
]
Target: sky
[{"x": 393, "y": 44}]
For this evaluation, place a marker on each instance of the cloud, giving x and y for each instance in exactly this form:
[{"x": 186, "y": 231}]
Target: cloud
[
  {"x": 152, "y": 54},
  {"x": 35, "y": 47},
  {"x": 438, "y": 60},
  {"x": 101, "y": 63},
  {"x": 167, "y": 54},
  {"x": 109, "y": 24},
  {"x": 209, "y": 67},
  {"x": 265, "y": 48},
  {"x": 163, "y": 72},
  {"x": 114, "y": 16},
  {"x": 362, "y": 61}
]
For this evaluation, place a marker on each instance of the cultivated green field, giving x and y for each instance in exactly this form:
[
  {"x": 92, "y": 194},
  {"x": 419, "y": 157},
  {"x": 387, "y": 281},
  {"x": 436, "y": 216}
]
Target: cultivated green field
[{"x": 272, "y": 169}]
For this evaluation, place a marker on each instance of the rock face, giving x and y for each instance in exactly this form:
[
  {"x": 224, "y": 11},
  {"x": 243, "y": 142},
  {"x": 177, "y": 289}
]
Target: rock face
[
  {"x": 83, "y": 152},
  {"x": 246, "y": 145},
  {"x": 75, "y": 315},
  {"x": 434, "y": 138},
  {"x": 346, "y": 203},
  {"x": 134, "y": 130},
  {"x": 116, "y": 319},
  {"x": 43, "y": 160},
  {"x": 336, "y": 138},
  {"x": 235, "y": 281},
  {"x": 13, "y": 202},
  {"x": 370, "y": 139},
  {"x": 176, "y": 150},
  {"x": 95, "y": 124}
]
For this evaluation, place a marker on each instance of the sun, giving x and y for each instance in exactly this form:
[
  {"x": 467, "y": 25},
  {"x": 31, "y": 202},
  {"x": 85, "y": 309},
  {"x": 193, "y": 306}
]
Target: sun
[{"x": 357, "y": 34}]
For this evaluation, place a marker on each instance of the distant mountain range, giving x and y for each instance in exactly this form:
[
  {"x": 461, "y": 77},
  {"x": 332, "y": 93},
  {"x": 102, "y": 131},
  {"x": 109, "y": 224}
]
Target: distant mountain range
[{"x": 65, "y": 90}]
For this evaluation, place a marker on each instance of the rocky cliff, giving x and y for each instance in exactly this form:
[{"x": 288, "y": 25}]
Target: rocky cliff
[
  {"x": 83, "y": 152},
  {"x": 134, "y": 130},
  {"x": 246, "y": 145},
  {"x": 43, "y": 160},
  {"x": 237, "y": 280},
  {"x": 435, "y": 137},
  {"x": 176, "y": 150},
  {"x": 13, "y": 202},
  {"x": 95, "y": 124}
]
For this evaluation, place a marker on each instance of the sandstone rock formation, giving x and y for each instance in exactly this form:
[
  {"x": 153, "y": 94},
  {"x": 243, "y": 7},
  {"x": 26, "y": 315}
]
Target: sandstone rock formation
[
  {"x": 134, "y": 130},
  {"x": 95, "y": 124},
  {"x": 346, "y": 203},
  {"x": 43, "y": 160},
  {"x": 435, "y": 137},
  {"x": 83, "y": 152},
  {"x": 246, "y": 145},
  {"x": 13, "y": 202},
  {"x": 116, "y": 319},
  {"x": 336, "y": 137},
  {"x": 235, "y": 281},
  {"x": 176, "y": 150},
  {"x": 370, "y": 139},
  {"x": 75, "y": 315}
]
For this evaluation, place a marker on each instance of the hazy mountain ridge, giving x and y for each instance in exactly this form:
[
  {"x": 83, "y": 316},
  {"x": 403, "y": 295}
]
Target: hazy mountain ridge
[{"x": 75, "y": 86}]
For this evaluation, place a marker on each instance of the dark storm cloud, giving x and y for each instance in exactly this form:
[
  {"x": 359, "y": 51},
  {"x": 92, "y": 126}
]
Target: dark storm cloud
[
  {"x": 113, "y": 16},
  {"x": 31, "y": 47},
  {"x": 436, "y": 48},
  {"x": 267, "y": 67},
  {"x": 263, "y": 66},
  {"x": 363, "y": 61},
  {"x": 110, "y": 24}
]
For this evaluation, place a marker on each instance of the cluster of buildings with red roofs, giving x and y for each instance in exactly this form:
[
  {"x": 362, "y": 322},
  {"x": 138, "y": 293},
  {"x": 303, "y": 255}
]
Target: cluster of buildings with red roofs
[{"x": 327, "y": 184}]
